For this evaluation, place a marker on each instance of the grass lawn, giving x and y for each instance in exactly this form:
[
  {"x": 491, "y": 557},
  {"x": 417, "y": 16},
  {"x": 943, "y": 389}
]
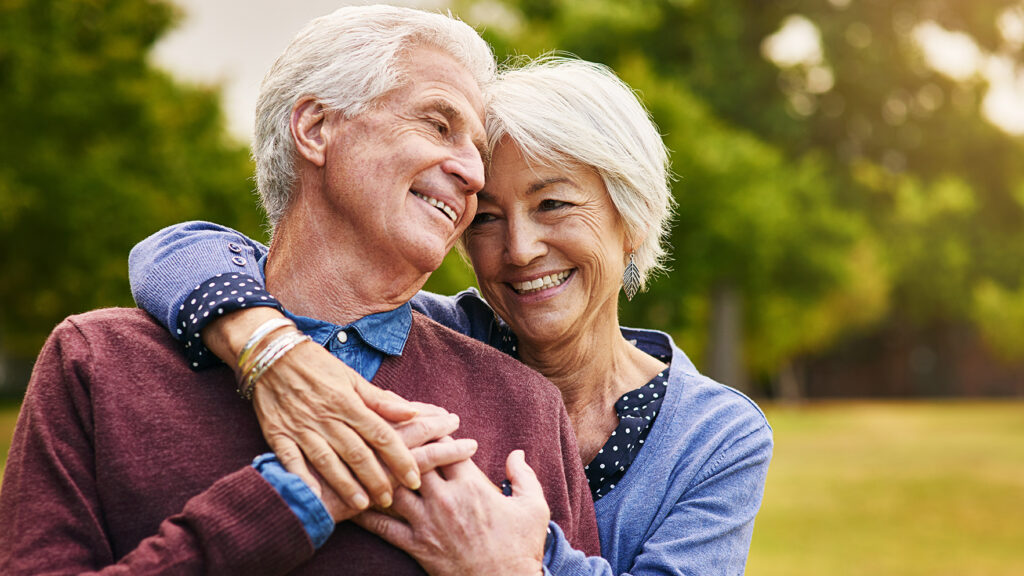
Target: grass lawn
[
  {"x": 894, "y": 489},
  {"x": 882, "y": 489}
]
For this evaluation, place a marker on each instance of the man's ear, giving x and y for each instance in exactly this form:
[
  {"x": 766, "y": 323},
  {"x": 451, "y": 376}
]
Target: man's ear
[{"x": 307, "y": 126}]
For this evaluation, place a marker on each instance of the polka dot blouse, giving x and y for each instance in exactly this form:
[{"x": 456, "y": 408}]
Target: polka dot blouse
[{"x": 637, "y": 411}]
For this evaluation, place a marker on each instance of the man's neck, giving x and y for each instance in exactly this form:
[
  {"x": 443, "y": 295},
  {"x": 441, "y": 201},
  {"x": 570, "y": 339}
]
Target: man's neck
[{"x": 324, "y": 275}]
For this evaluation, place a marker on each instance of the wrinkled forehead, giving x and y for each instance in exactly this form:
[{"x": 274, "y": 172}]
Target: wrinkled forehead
[{"x": 426, "y": 63}]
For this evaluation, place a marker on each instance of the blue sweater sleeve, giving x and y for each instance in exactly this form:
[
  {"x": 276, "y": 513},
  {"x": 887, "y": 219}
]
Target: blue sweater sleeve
[
  {"x": 561, "y": 559},
  {"x": 166, "y": 267}
]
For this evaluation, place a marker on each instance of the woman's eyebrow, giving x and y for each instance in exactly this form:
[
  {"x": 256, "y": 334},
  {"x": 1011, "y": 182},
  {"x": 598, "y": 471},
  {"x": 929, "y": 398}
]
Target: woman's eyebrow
[{"x": 544, "y": 183}]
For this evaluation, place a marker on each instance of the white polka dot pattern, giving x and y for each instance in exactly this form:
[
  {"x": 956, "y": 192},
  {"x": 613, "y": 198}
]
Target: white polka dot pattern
[
  {"x": 637, "y": 411},
  {"x": 217, "y": 296}
]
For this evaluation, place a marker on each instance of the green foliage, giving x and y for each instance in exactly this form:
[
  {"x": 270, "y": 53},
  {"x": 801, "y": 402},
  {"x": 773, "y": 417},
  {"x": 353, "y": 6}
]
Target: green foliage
[
  {"x": 100, "y": 149},
  {"x": 750, "y": 216},
  {"x": 999, "y": 312},
  {"x": 853, "y": 190}
]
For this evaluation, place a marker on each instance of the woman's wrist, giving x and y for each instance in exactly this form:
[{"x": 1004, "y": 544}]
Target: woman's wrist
[{"x": 227, "y": 335}]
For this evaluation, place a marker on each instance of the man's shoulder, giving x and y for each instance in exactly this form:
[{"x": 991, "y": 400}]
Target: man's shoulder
[
  {"x": 117, "y": 333},
  {"x": 467, "y": 349},
  {"x": 110, "y": 322},
  {"x": 462, "y": 355}
]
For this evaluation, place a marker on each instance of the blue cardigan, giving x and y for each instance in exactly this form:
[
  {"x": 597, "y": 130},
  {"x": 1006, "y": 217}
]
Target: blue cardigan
[{"x": 685, "y": 506}]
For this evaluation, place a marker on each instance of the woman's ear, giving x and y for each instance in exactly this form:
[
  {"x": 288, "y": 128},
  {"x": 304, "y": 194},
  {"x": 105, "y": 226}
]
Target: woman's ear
[
  {"x": 631, "y": 243},
  {"x": 307, "y": 126}
]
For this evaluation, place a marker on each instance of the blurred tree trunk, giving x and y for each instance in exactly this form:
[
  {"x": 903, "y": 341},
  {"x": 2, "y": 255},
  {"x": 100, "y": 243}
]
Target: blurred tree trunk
[
  {"x": 725, "y": 346},
  {"x": 789, "y": 384}
]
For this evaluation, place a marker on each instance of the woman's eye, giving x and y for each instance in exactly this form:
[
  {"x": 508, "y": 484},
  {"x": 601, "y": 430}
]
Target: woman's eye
[
  {"x": 552, "y": 204},
  {"x": 483, "y": 218}
]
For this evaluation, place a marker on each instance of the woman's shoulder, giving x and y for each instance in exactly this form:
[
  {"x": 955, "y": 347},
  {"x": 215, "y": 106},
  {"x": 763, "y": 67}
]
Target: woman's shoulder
[{"x": 700, "y": 399}]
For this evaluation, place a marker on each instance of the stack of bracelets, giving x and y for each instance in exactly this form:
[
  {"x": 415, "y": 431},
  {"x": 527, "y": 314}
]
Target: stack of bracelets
[{"x": 251, "y": 366}]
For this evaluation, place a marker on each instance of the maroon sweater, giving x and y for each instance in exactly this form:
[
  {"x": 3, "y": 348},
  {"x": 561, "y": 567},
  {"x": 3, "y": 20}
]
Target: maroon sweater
[{"x": 124, "y": 458}]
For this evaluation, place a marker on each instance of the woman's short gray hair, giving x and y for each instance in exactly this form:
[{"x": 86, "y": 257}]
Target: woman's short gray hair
[
  {"x": 347, "y": 60},
  {"x": 562, "y": 111}
]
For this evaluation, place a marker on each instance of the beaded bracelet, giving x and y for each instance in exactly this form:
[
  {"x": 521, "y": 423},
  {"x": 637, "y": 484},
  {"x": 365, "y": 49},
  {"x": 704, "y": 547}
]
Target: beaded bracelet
[
  {"x": 277, "y": 348},
  {"x": 258, "y": 335}
]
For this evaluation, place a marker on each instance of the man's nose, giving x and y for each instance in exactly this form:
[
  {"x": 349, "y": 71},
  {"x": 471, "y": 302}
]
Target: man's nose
[{"x": 467, "y": 166}]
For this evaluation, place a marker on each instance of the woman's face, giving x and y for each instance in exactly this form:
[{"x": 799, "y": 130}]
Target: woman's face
[{"x": 548, "y": 248}]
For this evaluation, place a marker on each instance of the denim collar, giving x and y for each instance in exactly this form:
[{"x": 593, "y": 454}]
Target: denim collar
[{"x": 384, "y": 331}]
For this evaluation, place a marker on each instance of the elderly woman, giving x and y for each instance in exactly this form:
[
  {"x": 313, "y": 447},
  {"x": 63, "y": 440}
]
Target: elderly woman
[{"x": 575, "y": 206}]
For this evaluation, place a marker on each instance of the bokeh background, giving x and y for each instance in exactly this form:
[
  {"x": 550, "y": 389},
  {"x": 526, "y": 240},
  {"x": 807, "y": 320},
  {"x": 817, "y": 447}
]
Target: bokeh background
[{"x": 849, "y": 246}]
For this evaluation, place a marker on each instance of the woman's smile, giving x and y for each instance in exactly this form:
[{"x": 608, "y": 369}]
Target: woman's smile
[{"x": 541, "y": 283}]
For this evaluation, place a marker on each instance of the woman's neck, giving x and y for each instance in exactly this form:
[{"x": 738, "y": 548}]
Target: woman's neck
[{"x": 592, "y": 368}]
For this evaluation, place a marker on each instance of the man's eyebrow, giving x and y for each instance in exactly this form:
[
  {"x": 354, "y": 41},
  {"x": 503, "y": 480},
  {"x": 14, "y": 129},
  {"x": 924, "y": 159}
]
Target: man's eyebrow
[{"x": 454, "y": 115}]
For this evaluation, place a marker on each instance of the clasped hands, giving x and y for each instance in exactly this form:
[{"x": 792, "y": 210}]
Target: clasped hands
[{"x": 370, "y": 446}]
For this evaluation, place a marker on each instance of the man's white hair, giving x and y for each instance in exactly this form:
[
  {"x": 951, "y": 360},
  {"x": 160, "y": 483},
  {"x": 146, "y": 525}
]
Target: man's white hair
[
  {"x": 347, "y": 60},
  {"x": 562, "y": 111}
]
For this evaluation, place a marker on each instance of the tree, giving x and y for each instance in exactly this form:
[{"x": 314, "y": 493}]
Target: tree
[
  {"x": 760, "y": 239},
  {"x": 853, "y": 189},
  {"x": 100, "y": 149}
]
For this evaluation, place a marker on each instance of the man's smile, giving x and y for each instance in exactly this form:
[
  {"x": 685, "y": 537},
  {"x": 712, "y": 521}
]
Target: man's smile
[{"x": 444, "y": 208}]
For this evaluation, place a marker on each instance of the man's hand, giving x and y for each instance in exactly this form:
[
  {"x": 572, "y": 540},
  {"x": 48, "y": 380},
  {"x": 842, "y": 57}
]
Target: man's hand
[
  {"x": 461, "y": 524},
  {"x": 314, "y": 408}
]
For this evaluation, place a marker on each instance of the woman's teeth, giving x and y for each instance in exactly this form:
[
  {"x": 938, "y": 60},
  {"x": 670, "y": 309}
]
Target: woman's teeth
[
  {"x": 541, "y": 283},
  {"x": 437, "y": 204}
]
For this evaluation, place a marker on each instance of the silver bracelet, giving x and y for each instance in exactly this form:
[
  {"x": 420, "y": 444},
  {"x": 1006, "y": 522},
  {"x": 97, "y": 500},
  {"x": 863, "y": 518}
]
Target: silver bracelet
[
  {"x": 258, "y": 335},
  {"x": 277, "y": 348}
]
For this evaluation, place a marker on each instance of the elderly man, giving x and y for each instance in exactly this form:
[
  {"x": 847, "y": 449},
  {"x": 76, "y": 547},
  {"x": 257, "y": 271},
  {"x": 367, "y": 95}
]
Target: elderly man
[{"x": 369, "y": 153}]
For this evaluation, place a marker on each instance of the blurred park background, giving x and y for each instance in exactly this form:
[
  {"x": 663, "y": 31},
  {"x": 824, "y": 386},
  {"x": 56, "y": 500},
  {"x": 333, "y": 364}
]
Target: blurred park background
[{"x": 849, "y": 246}]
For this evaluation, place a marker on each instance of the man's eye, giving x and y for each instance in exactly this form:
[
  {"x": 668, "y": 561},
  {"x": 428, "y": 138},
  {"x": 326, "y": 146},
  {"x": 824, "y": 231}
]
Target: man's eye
[{"x": 442, "y": 127}]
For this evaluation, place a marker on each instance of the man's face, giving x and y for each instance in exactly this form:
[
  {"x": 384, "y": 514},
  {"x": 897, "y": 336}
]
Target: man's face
[{"x": 401, "y": 178}]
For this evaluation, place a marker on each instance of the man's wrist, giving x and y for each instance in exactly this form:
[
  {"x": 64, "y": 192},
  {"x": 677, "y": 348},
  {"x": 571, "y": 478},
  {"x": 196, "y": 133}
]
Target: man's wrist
[{"x": 301, "y": 499}]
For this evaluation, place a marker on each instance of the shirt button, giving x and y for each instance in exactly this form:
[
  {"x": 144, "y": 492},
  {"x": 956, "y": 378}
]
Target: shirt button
[
  {"x": 234, "y": 248},
  {"x": 342, "y": 337},
  {"x": 238, "y": 260}
]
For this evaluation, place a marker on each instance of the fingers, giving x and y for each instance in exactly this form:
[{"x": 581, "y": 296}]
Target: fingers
[
  {"x": 290, "y": 456},
  {"x": 437, "y": 454},
  {"x": 387, "y": 404},
  {"x": 323, "y": 457},
  {"x": 385, "y": 441},
  {"x": 424, "y": 429},
  {"x": 524, "y": 480},
  {"x": 391, "y": 530},
  {"x": 336, "y": 507}
]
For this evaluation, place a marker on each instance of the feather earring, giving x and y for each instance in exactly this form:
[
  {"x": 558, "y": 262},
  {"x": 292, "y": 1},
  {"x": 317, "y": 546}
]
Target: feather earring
[{"x": 631, "y": 279}]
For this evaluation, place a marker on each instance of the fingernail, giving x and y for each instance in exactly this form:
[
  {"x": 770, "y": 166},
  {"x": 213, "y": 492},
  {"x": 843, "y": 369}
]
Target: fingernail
[
  {"x": 412, "y": 480},
  {"x": 384, "y": 500},
  {"x": 361, "y": 501}
]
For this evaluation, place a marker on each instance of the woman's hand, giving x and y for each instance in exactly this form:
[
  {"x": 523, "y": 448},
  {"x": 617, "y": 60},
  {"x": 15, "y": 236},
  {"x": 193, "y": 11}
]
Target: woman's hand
[
  {"x": 461, "y": 524},
  {"x": 313, "y": 407},
  {"x": 421, "y": 434}
]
